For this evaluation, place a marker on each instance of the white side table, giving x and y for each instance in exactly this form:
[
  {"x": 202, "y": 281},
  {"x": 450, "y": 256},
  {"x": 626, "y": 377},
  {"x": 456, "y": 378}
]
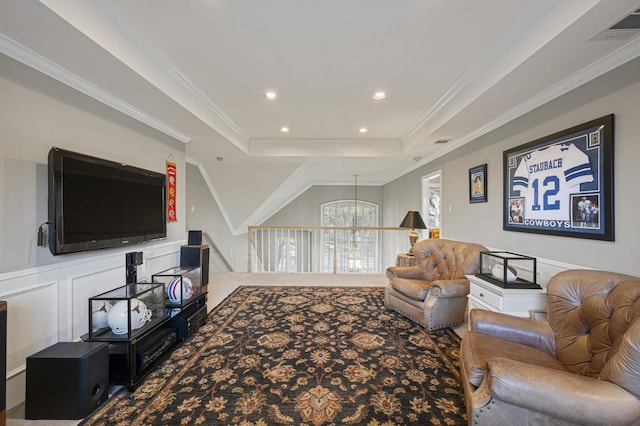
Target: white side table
[{"x": 518, "y": 302}]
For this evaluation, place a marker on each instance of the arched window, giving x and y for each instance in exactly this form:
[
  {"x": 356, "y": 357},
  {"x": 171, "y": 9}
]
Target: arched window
[{"x": 355, "y": 250}]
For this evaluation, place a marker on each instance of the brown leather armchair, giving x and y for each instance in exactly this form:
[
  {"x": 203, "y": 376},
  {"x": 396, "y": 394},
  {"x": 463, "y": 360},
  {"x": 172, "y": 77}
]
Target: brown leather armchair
[
  {"x": 434, "y": 292},
  {"x": 581, "y": 366}
]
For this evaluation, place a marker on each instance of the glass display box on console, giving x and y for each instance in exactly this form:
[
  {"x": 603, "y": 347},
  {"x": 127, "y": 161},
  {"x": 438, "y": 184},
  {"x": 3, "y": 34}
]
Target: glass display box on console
[
  {"x": 126, "y": 312},
  {"x": 182, "y": 285},
  {"x": 508, "y": 270}
]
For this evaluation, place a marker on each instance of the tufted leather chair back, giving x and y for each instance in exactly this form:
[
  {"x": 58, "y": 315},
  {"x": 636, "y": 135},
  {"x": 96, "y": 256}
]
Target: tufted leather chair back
[
  {"x": 441, "y": 259},
  {"x": 595, "y": 318}
]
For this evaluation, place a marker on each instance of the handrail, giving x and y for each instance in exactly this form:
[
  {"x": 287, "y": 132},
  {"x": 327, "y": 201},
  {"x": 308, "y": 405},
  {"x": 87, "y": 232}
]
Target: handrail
[
  {"x": 217, "y": 250},
  {"x": 329, "y": 228}
]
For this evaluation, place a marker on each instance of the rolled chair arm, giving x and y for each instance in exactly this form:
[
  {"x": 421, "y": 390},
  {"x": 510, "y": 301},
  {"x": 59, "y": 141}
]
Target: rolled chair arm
[
  {"x": 411, "y": 272},
  {"x": 450, "y": 288},
  {"x": 537, "y": 334},
  {"x": 559, "y": 394},
  {"x": 538, "y": 314}
]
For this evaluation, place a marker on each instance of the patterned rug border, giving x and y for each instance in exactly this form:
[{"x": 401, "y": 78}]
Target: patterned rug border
[{"x": 148, "y": 389}]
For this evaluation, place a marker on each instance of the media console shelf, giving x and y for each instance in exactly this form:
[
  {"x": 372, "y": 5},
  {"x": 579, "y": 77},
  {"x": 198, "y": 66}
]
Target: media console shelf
[
  {"x": 133, "y": 355},
  {"x": 130, "y": 362},
  {"x": 131, "y": 359},
  {"x": 190, "y": 318}
]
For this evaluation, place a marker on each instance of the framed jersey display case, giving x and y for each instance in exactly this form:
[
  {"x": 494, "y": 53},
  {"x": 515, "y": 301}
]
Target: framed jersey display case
[{"x": 562, "y": 184}]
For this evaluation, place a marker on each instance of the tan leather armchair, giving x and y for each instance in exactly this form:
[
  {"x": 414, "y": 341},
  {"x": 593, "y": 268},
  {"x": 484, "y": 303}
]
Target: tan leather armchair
[
  {"x": 581, "y": 366},
  {"x": 434, "y": 292}
]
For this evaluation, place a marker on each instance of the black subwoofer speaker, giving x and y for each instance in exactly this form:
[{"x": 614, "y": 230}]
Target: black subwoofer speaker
[
  {"x": 67, "y": 380},
  {"x": 194, "y": 256},
  {"x": 195, "y": 238}
]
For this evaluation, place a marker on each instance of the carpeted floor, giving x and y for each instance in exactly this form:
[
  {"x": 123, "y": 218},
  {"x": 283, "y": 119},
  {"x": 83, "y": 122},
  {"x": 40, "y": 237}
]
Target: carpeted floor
[{"x": 300, "y": 356}]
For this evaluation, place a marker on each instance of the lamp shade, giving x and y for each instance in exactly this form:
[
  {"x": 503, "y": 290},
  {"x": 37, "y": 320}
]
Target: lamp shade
[{"x": 413, "y": 220}]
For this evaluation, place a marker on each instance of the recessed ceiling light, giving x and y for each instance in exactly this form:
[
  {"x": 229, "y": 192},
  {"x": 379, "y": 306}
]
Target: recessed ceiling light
[
  {"x": 363, "y": 130},
  {"x": 284, "y": 129},
  {"x": 379, "y": 95},
  {"x": 270, "y": 95}
]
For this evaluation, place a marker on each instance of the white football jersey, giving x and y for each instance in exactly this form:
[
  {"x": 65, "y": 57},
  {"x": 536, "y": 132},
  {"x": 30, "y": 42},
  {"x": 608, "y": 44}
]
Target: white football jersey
[{"x": 547, "y": 177}]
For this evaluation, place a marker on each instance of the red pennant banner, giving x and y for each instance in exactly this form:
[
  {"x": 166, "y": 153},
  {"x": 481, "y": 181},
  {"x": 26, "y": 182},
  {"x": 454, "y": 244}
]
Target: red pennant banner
[{"x": 171, "y": 192}]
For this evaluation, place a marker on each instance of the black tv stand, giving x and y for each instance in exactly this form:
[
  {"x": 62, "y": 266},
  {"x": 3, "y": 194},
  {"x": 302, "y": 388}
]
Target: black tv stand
[{"x": 130, "y": 360}]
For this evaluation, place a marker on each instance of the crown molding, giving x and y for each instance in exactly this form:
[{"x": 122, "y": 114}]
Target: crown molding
[
  {"x": 326, "y": 147},
  {"x": 617, "y": 58},
  {"x": 592, "y": 71},
  {"x": 38, "y": 62},
  {"x": 196, "y": 101},
  {"x": 526, "y": 36}
]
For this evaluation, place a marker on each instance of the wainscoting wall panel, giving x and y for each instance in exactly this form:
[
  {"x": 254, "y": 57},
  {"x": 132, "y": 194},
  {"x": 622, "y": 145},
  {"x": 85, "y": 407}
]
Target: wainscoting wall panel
[
  {"x": 88, "y": 285},
  {"x": 49, "y": 304},
  {"x": 32, "y": 322}
]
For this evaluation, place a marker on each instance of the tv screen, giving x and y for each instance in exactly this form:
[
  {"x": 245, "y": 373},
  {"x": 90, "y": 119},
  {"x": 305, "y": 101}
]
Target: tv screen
[{"x": 96, "y": 203}]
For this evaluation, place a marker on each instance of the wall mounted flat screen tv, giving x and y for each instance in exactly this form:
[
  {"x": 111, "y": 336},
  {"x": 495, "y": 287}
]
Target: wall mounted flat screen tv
[{"x": 96, "y": 203}]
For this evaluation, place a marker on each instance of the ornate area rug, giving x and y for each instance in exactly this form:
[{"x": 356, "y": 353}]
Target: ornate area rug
[{"x": 300, "y": 356}]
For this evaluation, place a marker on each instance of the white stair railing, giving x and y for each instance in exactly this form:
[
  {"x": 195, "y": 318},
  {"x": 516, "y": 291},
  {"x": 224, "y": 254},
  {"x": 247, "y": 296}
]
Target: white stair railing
[{"x": 322, "y": 249}]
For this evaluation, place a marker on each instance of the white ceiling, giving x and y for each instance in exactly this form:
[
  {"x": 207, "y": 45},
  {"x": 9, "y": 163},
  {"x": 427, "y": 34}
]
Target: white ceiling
[{"x": 197, "y": 71}]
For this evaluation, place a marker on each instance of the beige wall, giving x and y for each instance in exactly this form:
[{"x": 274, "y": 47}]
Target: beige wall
[
  {"x": 37, "y": 113},
  {"x": 204, "y": 214},
  {"x": 305, "y": 209}
]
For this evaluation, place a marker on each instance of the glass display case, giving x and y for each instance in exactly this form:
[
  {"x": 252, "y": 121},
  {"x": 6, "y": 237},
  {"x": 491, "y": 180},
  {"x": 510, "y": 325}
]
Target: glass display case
[
  {"x": 508, "y": 270},
  {"x": 126, "y": 312},
  {"x": 182, "y": 286}
]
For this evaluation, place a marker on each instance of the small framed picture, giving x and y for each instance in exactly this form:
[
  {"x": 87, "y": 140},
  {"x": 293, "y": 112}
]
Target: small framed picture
[{"x": 478, "y": 184}]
